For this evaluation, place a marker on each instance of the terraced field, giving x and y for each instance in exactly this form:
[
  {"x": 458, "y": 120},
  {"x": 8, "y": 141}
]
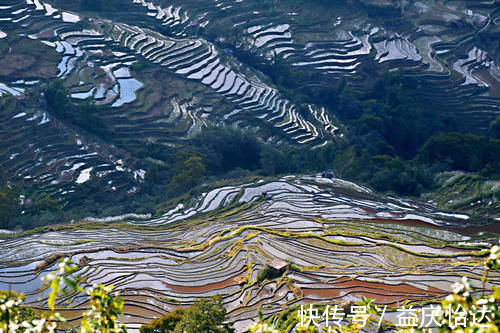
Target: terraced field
[
  {"x": 430, "y": 48},
  {"x": 96, "y": 64},
  {"x": 161, "y": 71},
  {"x": 436, "y": 43},
  {"x": 60, "y": 160},
  {"x": 161, "y": 76},
  {"x": 340, "y": 240}
]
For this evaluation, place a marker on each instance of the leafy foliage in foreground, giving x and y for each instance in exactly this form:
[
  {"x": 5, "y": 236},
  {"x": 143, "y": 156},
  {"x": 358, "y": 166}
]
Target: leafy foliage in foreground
[{"x": 101, "y": 318}]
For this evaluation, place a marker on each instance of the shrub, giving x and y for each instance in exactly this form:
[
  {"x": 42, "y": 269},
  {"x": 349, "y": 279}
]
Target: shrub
[
  {"x": 205, "y": 315},
  {"x": 165, "y": 323}
]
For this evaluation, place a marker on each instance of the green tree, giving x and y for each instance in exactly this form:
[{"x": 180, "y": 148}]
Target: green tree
[
  {"x": 349, "y": 104},
  {"x": 225, "y": 149},
  {"x": 7, "y": 104},
  {"x": 8, "y": 206},
  {"x": 273, "y": 161},
  {"x": 205, "y": 315},
  {"x": 494, "y": 129},
  {"x": 49, "y": 204},
  {"x": 188, "y": 171},
  {"x": 165, "y": 323},
  {"x": 465, "y": 151},
  {"x": 57, "y": 97}
]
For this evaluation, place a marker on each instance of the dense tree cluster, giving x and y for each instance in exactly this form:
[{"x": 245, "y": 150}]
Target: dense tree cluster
[
  {"x": 225, "y": 149},
  {"x": 9, "y": 199},
  {"x": 101, "y": 5},
  {"x": 84, "y": 114},
  {"x": 205, "y": 315},
  {"x": 462, "y": 152},
  {"x": 188, "y": 170},
  {"x": 397, "y": 145},
  {"x": 165, "y": 323}
]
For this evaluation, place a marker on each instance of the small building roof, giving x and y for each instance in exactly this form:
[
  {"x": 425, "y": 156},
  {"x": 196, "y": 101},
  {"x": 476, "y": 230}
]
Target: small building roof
[{"x": 278, "y": 264}]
